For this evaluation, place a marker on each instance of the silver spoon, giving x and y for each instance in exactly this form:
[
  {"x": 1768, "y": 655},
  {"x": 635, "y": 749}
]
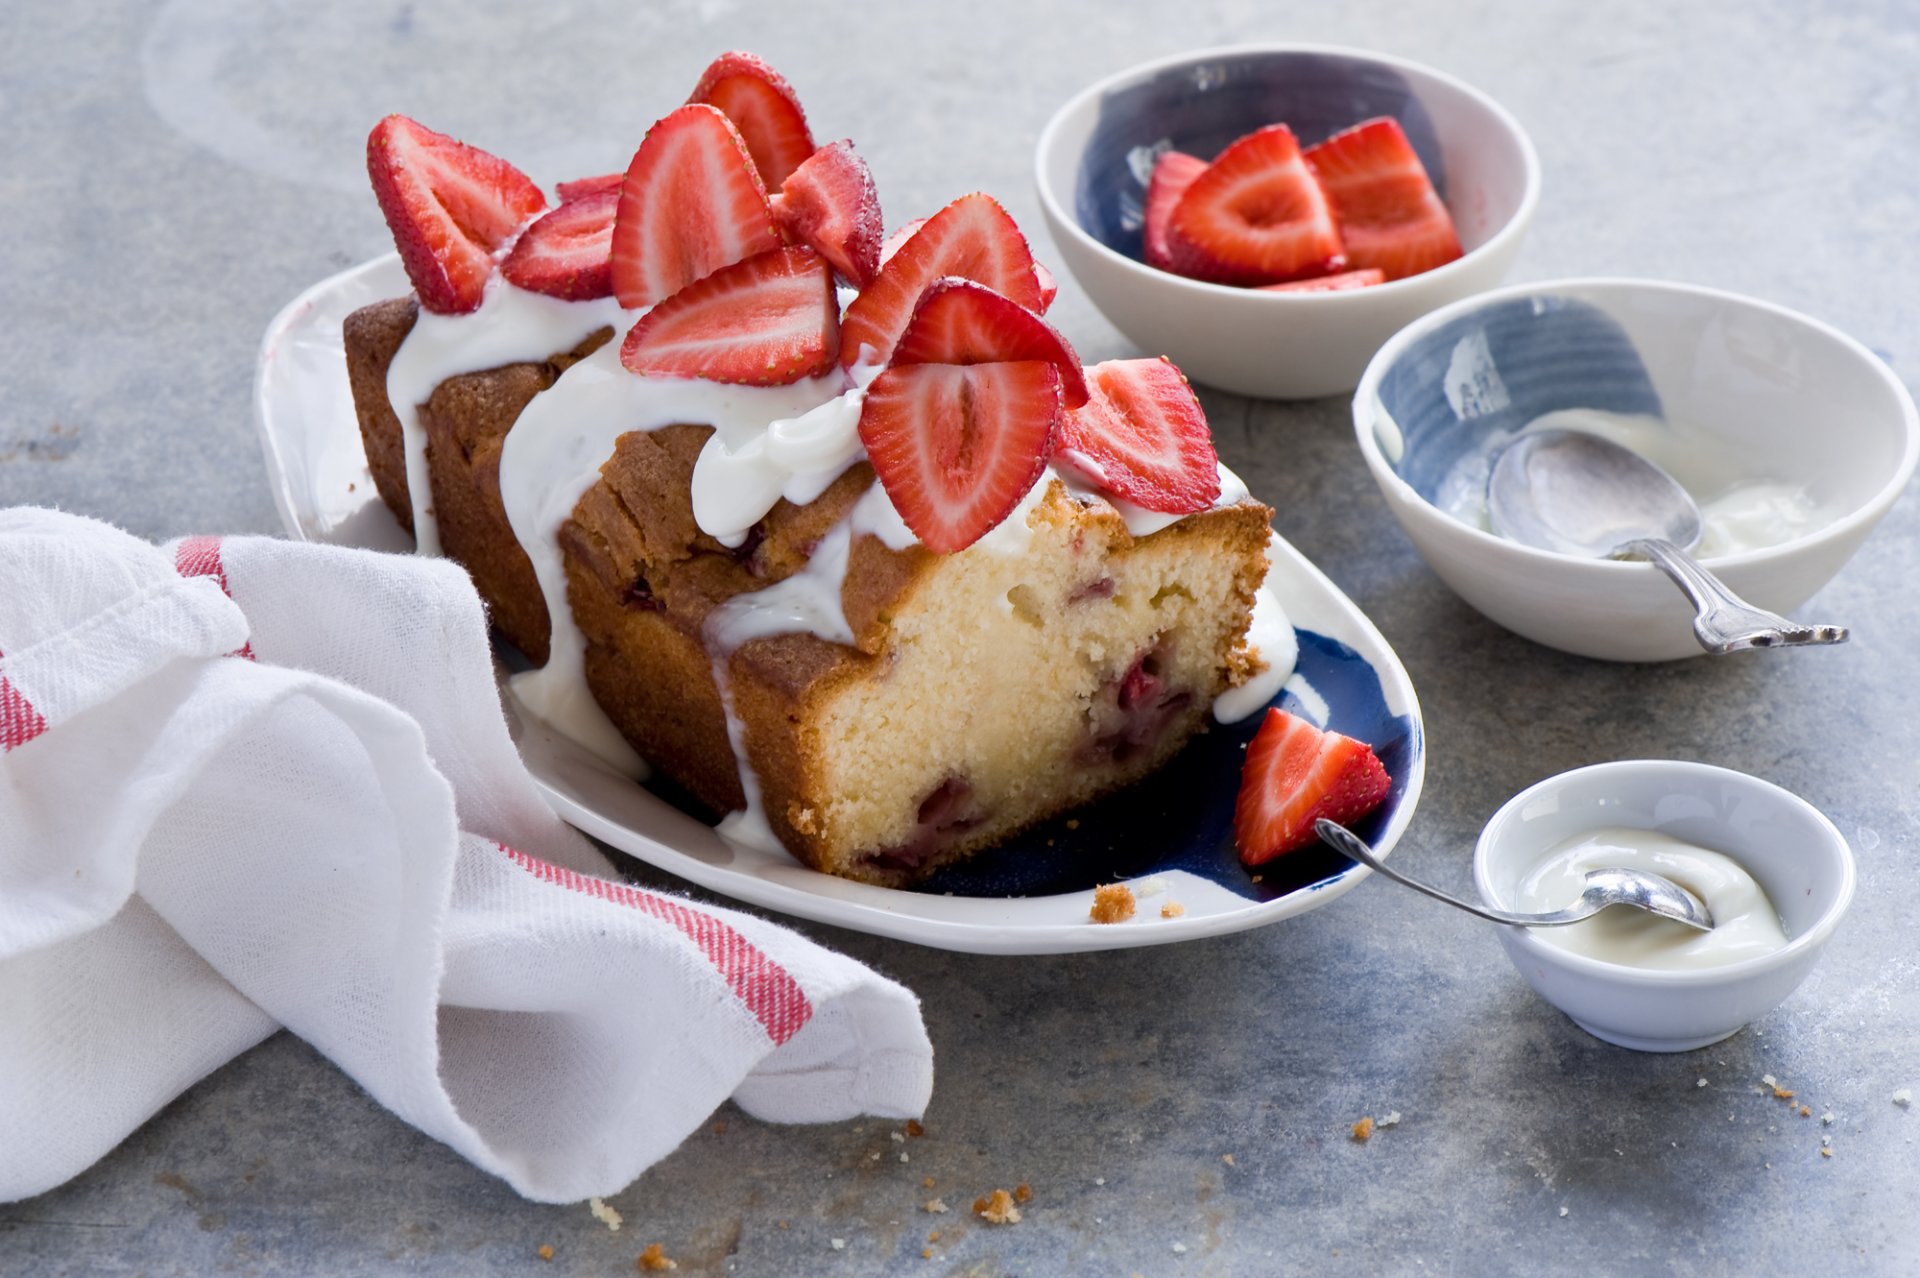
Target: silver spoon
[
  {"x": 1580, "y": 494},
  {"x": 1604, "y": 887}
]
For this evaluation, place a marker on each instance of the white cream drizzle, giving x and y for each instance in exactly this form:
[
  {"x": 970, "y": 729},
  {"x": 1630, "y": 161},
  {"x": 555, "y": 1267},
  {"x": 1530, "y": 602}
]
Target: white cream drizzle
[
  {"x": 511, "y": 326},
  {"x": 768, "y": 443}
]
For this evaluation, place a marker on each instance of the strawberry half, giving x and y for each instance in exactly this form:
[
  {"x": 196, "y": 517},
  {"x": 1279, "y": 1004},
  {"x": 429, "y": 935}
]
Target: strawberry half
[
  {"x": 961, "y": 322},
  {"x": 1143, "y": 437},
  {"x": 1256, "y": 216},
  {"x": 1173, "y": 173},
  {"x": 568, "y": 251},
  {"x": 1295, "y": 774},
  {"x": 830, "y": 202},
  {"x": 1388, "y": 213},
  {"x": 580, "y": 188},
  {"x": 450, "y": 207},
  {"x": 691, "y": 203},
  {"x": 767, "y": 321},
  {"x": 974, "y": 238},
  {"x": 764, "y": 107},
  {"x": 1330, "y": 283},
  {"x": 957, "y": 446}
]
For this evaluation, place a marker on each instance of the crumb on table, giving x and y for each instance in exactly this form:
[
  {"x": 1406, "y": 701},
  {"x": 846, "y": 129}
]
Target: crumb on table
[
  {"x": 1112, "y": 903},
  {"x": 1023, "y": 1193},
  {"x": 545, "y": 1252},
  {"x": 605, "y": 1214},
  {"x": 1363, "y": 1130},
  {"x": 654, "y": 1260},
  {"x": 997, "y": 1208}
]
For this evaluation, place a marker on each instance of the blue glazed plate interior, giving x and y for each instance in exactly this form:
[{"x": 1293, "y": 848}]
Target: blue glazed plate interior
[
  {"x": 1201, "y": 107},
  {"x": 1486, "y": 374}
]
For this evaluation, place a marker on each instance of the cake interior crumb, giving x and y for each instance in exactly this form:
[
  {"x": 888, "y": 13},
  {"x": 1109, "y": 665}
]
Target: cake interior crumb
[
  {"x": 604, "y": 1214},
  {"x": 1112, "y": 903},
  {"x": 997, "y": 1208}
]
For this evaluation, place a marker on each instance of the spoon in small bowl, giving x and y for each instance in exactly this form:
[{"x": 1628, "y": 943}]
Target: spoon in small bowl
[
  {"x": 1580, "y": 494},
  {"x": 1605, "y": 887}
]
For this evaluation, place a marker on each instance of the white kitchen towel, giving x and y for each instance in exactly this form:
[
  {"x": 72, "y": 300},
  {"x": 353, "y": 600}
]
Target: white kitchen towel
[{"x": 255, "y": 783}]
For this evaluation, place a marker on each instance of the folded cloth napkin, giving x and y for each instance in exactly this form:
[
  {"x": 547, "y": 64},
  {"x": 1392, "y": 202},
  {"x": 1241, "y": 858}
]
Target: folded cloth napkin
[{"x": 252, "y": 783}]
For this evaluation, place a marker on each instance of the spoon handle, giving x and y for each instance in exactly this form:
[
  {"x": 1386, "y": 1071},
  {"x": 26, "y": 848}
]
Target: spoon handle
[
  {"x": 1351, "y": 845},
  {"x": 1727, "y": 623}
]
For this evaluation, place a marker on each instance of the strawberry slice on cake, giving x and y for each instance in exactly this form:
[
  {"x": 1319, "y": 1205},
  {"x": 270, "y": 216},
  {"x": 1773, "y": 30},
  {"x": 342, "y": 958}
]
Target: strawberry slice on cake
[
  {"x": 961, "y": 322},
  {"x": 1143, "y": 437},
  {"x": 1389, "y": 216},
  {"x": 450, "y": 207},
  {"x": 568, "y": 251},
  {"x": 691, "y": 203},
  {"x": 957, "y": 446},
  {"x": 763, "y": 107},
  {"x": 830, "y": 203},
  {"x": 1255, "y": 216},
  {"x": 768, "y": 321},
  {"x": 974, "y": 238},
  {"x": 1295, "y": 774}
]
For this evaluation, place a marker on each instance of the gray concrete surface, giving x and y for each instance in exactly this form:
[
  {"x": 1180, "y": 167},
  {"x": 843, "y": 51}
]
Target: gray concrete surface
[{"x": 170, "y": 174}]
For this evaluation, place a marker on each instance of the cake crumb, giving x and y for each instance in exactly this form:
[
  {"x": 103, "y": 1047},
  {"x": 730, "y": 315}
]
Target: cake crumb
[
  {"x": 1179, "y": 1249},
  {"x": 933, "y": 1235},
  {"x": 1099, "y": 1180},
  {"x": 997, "y": 1208},
  {"x": 781, "y": 1224},
  {"x": 1259, "y": 878},
  {"x": 1563, "y": 1211},
  {"x": 937, "y": 1206},
  {"x": 838, "y": 1244},
  {"x": 914, "y": 1129},
  {"x": 1023, "y": 1192},
  {"x": 654, "y": 1260},
  {"x": 1227, "y": 1159},
  {"x": 604, "y": 1214},
  {"x": 926, "y": 1253},
  {"x": 720, "y": 1129},
  {"x": 545, "y": 1252},
  {"x": 1073, "y": 823},
  {"x": 1112, "y": 903},
  {"x": 1826, "y": 1119},
  {"x": 1172, "y": 910},
  {"x": 926, "y": 1182},
  {"x": 1783, "y": 1093},
  {"x": 1363, "y": 1130},
  {"x": 1903, "y": 1097},
  {"x": 1152, "y": 885},
  {"x": 1700, "y": 1082},
  {"x": 1806, "y": 1112},
  {"x": 1391, "y": 1120},
  {"x": 1825, "y": 1152}
]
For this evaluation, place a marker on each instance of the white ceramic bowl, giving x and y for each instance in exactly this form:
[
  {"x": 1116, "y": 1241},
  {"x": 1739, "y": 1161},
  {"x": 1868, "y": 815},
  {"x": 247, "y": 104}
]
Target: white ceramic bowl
[
  {"x": 1794, "y": 399},
  {"x": 1096, "y": 154},
  {"x": 1794, "y": 852}
]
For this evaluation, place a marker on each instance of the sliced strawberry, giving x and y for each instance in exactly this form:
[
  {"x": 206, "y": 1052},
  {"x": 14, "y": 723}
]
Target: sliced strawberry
[
  {"x": 974, "y": 238},
  {"x": 763, "y": 106},
  {"x": 830, "y": 203},
  {"x": 1330, "y": 283},
  {"x": 901, "y": 235},
  {"x": 568, "y": 251},
  {"x": 961, "y": 322},
  {"x": 1049, "y": 288},
  {"x": 580, "y": 188},
  {"x": 1295, "y": 774},
  {"x": 1173, "y": 173},
  {"x": 1256, "y": 216},
  {"x": 1388, "y": 213},
  {"x": 767, "y": 321},
  {"x": 690, "y": 204},
  {"x": 957, "y": 446},
  {"x": 450, "y": 207},
  {"x": 1143, "y": 437}
]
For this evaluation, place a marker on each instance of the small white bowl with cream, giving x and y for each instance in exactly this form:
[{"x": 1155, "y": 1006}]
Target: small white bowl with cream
[
  {"x": 1792, "y": 438},
  {"x": 1776, "y": 875}
]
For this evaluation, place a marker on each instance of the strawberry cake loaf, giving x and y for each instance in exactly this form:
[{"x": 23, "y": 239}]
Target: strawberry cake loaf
[{"x": 834, "y": 530}]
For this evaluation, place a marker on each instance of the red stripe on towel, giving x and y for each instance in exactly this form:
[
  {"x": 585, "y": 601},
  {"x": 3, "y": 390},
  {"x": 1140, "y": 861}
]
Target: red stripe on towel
[
  {"x": 200, "y": 557},
  {"x": 19, "y": 721},
  {"x": 767, "y": 989}
]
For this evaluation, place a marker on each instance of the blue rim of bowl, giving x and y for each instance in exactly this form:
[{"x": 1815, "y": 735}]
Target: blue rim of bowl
[
  {"x": 1811, "y": 939},
  {"x": 1869, "y": 512},
  {"x": 1515, "y": 225}
]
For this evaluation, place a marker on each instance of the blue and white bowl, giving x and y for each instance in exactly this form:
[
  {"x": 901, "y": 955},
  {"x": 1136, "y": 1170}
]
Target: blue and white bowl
[
  {"x": 1791, "y": 400},
  {"x": 1096, "y": 155}
]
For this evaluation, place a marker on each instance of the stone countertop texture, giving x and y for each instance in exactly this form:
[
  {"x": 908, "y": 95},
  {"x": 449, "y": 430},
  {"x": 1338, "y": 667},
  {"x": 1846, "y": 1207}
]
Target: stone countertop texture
[{"x": 172, "y": 173}]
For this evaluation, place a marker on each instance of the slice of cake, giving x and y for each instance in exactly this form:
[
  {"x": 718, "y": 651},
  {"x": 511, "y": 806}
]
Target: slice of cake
[{"x": 883, "y": 583}]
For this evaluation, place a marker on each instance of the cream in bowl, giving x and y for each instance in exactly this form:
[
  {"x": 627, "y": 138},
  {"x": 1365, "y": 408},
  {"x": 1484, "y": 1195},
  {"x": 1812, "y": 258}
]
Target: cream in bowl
[{"x": 1773, "y": 870}]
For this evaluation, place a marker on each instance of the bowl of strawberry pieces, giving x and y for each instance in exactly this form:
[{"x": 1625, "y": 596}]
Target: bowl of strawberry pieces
[{"x": 1268, "y": 215}]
